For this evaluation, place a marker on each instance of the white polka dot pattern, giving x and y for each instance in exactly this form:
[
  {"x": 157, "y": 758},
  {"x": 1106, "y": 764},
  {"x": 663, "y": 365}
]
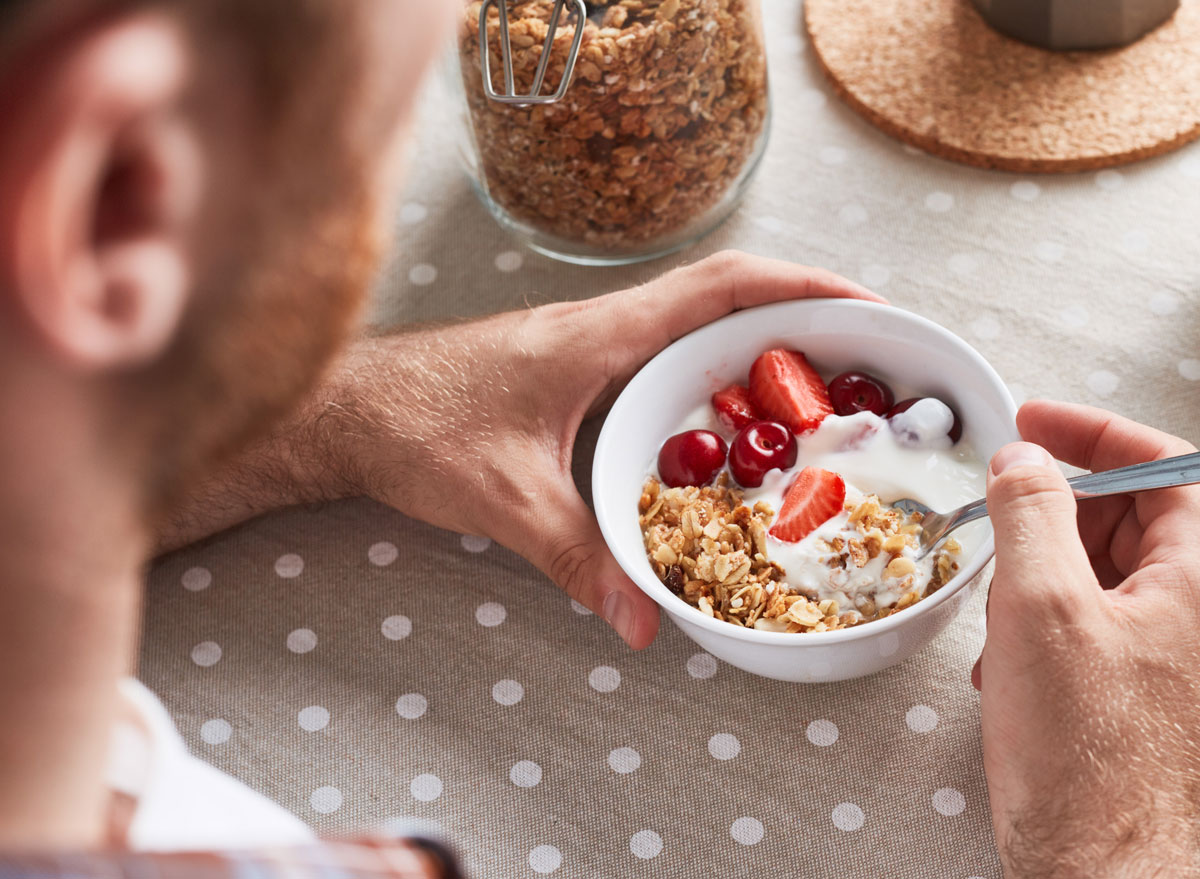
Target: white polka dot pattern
[
  {"x": 302, "y": 641},
  {"x": 508, "y": 692},
  {"x": 426, "y": 788},
  {"x": 747, "y": 830},
  {"x": 410, "y": 706},
  {"x": 848, "y": 817},
  {"x": 949, "y": 802},
  {"x": 289, "y": 566},
  {"x": 646, "y": 844},
  {"x": 396, "y": 628},
  {"x": 313, "y": 718},
  {"x": 822, "y": 733},
  {"x": 921, "y": 719},
  {"x": 525, "y": 773},
  {"x": 724, "y": 746},
  {"x": 383, "y": 553},
  {"x": 604, "y": 679},
  {"x": 702, "y": 666},
  {"x": 545, "y": 859},
  {"x": 206, "y": 653},
  {"x": 624, "y": 760},
  {"x": 216, "y": 732},
  {"x": 326, "y": 800},
  {"x": 490, "y": 614},
  {"x": 196, "y": 579}
]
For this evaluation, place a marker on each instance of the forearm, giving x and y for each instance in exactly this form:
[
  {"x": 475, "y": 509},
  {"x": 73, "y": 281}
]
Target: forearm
[{"x": 298, "y": 463}]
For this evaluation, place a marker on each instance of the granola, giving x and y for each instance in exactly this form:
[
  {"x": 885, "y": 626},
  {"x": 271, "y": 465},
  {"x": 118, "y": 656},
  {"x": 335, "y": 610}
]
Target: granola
[
  {"x": 665, "y": 110},
  {"x": 710, "y": 549}
]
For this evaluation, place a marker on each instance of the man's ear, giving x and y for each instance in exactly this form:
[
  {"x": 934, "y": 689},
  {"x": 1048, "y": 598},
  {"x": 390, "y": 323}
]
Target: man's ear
[{"x": 99, "y": 185}]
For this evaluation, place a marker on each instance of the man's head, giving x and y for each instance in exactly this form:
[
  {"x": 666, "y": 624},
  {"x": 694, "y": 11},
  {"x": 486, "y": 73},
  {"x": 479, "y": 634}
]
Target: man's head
[{"x": 191, "y": 200}]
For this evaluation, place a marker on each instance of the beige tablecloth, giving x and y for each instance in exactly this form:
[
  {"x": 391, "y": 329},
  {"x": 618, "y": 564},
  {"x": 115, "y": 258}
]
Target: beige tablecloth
[{"x": 358, "y": 666}]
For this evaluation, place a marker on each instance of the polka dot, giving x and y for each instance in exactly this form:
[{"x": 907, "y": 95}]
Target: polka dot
[
  {"x": 206, "y": 653},
  {"x": 986, "y": 327},
  {"x": 746, "y": 830},
  {"x": 875, "y": 276},
  {"x": 545, "y": 859},
  {"x": 1074, "y": 316},
  {"x": 422, "y": 274},
  {"x": 624, "y": 760},
  {"x": 326, "y": 800},
  {"x": 604, "y": 678},
  {"x": 195, "y": 579},
  {"x": 289, "y": 566},
  {"x": 216, "y": 732},
  {"x": 1049, "y": 251},
  {"x": 410, "y": 706},
  {"x": 580, "y": 609},
  {"x": 525, "y": 773},
  {"x": 490, "y": 614},
  {"x": 724, "y": 746},
  {"x": 382, "y": 554},
  {"x": 1163, "y": 303},
  {"x": 921, "y": 719},
  {"x": 508, "y": 692},
  {"x": 1190, "y": 369},
  {"x": 853, "y": 215},
  {"x": 1025, "y": 190},
  {"x": 475, "y": 543},
  {"x": 832, "y": 155},
  {"x": 963, "y": 264},
  {"x": 412, "y": 213},
  {"x": 508, "y": 260},
  {"x": 939, "y": 202},
  {"x": 302, "y": 641},
  {"x": 313, "y": 718},
  {"x": 1135, "y": 241},
  {"x": 847, "y": 817},
  {"x": 889, "y": 643},
  {"x": 811, "y": 99},
  {"x": 822, "y": 733},
  {"x": 1102, "y": 383},
  {"x": 702, "y": 666},
  {"x": 1190, "y": 166},
  {"x": 1110, "y": 180},
  {"x": 770, "y": 225},
  {"x": 397, "y": 627},
  {"x": 949, "y": 802},
  {"x": 426, "y": 788},
  {"x": 646, "y": 844}
]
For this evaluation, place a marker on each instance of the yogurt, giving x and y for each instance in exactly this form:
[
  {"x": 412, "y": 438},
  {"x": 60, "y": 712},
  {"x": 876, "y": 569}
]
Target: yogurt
[{"x": 914, "y": 459}]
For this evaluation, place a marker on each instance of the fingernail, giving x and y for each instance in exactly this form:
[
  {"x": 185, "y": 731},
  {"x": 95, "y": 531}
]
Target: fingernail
[
  {"x": 1020, "y": 455},
  {"x": 618, "y": 610}
]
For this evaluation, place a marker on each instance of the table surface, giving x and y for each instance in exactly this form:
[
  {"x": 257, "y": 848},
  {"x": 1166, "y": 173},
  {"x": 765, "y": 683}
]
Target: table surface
[{"x": 369, "y": 666}]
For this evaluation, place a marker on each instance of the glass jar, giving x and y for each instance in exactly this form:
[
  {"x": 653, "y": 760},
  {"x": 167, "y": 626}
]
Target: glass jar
[{"x": 647, "y": 145}]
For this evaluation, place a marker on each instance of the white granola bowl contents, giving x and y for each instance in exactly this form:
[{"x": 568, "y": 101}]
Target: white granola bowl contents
[{"x": 902, "y": 348}]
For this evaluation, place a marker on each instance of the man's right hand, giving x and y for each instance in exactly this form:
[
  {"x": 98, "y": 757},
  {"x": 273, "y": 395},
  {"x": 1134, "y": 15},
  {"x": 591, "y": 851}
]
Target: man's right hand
[{"x": 1090, "y": 676}]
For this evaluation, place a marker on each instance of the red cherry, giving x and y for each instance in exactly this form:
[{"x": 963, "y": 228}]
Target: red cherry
[
  {"x": 691, "y": 458},
  {"x": 956, "y": 429},
  {"x": 854, "y": 392},
  {"x": 759, "y": 447}
]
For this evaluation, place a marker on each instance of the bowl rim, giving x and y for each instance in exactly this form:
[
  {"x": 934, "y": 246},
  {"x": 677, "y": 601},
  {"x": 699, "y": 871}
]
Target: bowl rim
[{"x": 688, "y": 614}]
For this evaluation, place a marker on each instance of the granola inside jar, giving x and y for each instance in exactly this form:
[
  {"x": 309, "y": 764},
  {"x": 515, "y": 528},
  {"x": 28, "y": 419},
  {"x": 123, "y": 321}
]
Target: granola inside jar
[{"x": 653, "y": 141}]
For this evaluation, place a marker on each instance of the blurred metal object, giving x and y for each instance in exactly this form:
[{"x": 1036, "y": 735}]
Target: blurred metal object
[
  {"x": 509, "y": 96},
  {"x": 1076, "y": 24}
]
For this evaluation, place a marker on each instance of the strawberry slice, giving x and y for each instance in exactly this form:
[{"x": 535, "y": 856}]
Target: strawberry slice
[
  {"x": 786, "y": 388},
  {"x": 735, "y": 408},
  {"x": 812, "y": 500}
]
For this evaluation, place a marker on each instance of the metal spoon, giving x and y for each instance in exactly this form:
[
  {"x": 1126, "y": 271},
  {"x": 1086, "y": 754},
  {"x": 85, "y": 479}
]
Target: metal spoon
[{"x": 1164, "y": 473}]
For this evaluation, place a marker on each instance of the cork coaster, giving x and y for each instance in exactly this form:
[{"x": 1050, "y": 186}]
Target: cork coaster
[{"x": 934, "y": 74}]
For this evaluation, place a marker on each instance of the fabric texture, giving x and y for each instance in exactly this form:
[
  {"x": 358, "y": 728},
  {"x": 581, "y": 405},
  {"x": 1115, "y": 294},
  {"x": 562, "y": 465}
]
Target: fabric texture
[{"x": 357, "y": 666}]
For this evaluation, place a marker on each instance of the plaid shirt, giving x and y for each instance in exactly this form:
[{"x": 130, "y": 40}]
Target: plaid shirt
[{"x": 369, "y": 858}]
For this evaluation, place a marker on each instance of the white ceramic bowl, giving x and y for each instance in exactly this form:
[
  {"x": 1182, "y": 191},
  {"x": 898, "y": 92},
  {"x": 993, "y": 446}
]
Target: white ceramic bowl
[{"x": 835, "y": 334}]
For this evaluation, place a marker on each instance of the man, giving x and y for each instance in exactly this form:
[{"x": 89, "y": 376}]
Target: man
[{"x": 189, "y": 216}]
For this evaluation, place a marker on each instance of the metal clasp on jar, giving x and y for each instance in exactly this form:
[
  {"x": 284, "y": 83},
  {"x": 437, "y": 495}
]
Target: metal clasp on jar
[{"x": 510, "y": 96}]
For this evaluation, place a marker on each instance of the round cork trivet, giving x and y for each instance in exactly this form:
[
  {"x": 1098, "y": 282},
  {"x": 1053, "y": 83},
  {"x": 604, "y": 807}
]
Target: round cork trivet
[{"x": 934, "y": 74}]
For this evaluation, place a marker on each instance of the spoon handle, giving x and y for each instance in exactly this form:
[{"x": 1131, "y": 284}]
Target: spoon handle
[{"x": 1163, "y": 473}]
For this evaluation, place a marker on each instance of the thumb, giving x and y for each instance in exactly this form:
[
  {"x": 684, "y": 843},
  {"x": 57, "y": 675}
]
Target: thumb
[
  {"x": 1040, "y": 560},
  {"x": 565, "y": 542}
]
